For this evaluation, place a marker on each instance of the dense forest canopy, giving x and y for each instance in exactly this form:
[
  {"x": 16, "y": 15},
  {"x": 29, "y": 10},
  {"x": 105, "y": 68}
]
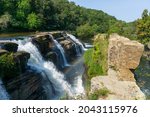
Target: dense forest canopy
[{"x": 48, "y": 15}]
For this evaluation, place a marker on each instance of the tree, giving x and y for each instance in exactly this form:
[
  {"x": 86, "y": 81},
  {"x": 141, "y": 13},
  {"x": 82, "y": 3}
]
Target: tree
[
  {"x": 85, "y": 32},
  {"x": 33, "y": 21},
  {"x": 145, "y": 14},
  {"x": 49, "y": 15},
  {"x": 5, "y": 21},
  {"x": 143, "y": 28}
]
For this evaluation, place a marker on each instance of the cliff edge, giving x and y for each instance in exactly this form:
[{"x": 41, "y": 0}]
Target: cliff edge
[{"x": 123, "y": 58}]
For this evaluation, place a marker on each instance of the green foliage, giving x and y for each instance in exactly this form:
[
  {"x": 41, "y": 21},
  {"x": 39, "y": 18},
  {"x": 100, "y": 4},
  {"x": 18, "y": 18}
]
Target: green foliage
[
  {"x": 33, "y": 21},
  {"x": 96, "y": 58},
  {"x": 8, "y": 66},
  {"x": 143, "y": 27},
  {"x": 101, "y": 93},
  {"x": 145, "y": 14},
  {"x": 55, "y": 15},
  {"x": 5, "y": 21},
  {"x": 86, "y": 31},
  {"x": 125, "y": 29}
]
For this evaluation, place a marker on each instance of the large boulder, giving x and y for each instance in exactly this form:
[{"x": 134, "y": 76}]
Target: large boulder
[
  {"x": 52, "y": 56},
  {"x": 69, "y": 48},
  {"x": 9, "y": 46},
  {"x": 124, "y": 56},
  {"x": 30, "y": 85},
  {"x": 21, "y": 59},
  {"x": 43, "y": 42},
  {"x": 13, "y": 64}
]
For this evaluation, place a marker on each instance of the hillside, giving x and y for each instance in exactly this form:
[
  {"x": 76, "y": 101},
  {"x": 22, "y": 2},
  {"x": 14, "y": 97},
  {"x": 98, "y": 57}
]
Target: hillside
[{"x": 36, "y": 15}]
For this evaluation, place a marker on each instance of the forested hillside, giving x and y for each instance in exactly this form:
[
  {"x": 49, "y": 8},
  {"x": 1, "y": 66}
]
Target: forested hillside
[
  {"x": 48, "y": 15},
  {"x": 41, "y": 15}
]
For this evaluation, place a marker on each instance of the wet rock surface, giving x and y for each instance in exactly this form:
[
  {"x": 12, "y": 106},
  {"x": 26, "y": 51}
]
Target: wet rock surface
[
  {"x": 9, "y": 46},
  {"x": 27, "y": 86}
]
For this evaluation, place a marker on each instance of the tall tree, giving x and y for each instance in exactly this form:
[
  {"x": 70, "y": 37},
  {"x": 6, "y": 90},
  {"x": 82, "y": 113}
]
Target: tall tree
[{"x": 143, "y": 27}]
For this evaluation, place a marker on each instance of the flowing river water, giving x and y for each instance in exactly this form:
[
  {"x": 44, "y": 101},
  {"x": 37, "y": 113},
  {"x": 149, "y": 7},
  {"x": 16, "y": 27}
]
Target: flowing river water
[
  {"x": 67, "y": 82},
  {"x": 70, "y": 81},
  {"x": 142, "y": 75}
]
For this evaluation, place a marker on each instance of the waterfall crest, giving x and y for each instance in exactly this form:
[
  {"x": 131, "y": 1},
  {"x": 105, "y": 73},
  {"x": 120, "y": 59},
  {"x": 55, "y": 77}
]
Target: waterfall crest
[
  {"x": 58, "y": 86},
  {"x": 74, "y": 39},
  {"x": 62, "y": 57},
  {"x": 37, "y": 62}
]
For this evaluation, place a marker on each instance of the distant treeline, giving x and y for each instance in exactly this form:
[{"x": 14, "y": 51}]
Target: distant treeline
[{"x": 47, "y": 15}]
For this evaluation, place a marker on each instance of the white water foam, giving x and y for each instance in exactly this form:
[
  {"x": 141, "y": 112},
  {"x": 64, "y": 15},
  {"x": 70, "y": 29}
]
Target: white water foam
[
  {"x": 36, "y": 61},
  {"x": 77, "y": 41},
  {"x": 78, "y": 86},
  {"x": 57, "y": 79},
  {"x": 65, "y": 63}
]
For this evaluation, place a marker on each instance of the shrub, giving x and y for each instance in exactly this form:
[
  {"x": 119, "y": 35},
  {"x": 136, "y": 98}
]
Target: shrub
[
  {"x": 86, "y": 31},
  {"x": 8, "y": 66},
  {"x": 96, "y": 58},
  {"x": 98, "y": 93}
]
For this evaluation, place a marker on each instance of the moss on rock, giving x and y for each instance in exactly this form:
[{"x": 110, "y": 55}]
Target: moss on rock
[
  {"x": 8, "y": 66},
  {"x": 13, "y": 64}
]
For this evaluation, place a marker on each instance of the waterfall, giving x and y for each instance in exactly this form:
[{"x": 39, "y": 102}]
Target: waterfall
[
  {"x": 78, "y": 86},
  {"x": 62, "y": 58},
  {"x": 58, "y": 85},
  {"x": 37, "y": 62},
  {"x": 3, "y": 94},
  {"x": 74, "y": 39}
]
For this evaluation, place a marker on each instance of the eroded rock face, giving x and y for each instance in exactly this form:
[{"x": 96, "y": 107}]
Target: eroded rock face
[
  {"x": 21, "y": 59},
  {"x": 119, "y": 90},
  {"x": 28, "y": 86},
  {"x": 12, "y": 64},
  {"x": 124, "y": 56},
  {"x": 44, "y": 43}
]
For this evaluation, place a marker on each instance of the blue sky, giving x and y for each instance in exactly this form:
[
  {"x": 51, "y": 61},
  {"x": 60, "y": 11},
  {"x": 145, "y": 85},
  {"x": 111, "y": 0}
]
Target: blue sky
[{"x": 127, "y": 10}]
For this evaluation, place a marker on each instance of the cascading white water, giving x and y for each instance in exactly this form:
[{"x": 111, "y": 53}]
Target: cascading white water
[
  {"x": 62, "y": 52},
  {"x": 48, "y": 69},
  {"x": 37, "y": 62},
  {"x": 78, "y": 86},
  {"x": 3, "y": 94},
  {"x": 73, "y": 38}
]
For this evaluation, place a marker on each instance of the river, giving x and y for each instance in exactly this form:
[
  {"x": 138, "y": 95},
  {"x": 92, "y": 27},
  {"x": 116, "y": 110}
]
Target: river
[
  {"x": 74, "y": 72},
  {"x": 70, "y": 81},
  {"x": 142, "y": 75}
]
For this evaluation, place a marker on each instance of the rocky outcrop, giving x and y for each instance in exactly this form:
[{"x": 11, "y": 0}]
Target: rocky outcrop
[
  {"x": 52, "y": 56},
  {"x": 69, "y": 48},
  {"x": 12, "y": 63},
  {"x": 123, "y": 57},
  {"x": 43, "y": 42},
  {"x": 119, "y": 90},
  {"x": 21, "y": 59},
  {"x": 9, "y": 46},
  {"x": 49, "y": 44},
  {"x": 29, "y": 86}
]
